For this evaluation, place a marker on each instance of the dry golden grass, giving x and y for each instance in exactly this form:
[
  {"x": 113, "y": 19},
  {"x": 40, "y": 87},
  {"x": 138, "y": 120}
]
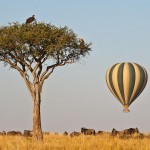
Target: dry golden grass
[{"x": 60, "y": 142}]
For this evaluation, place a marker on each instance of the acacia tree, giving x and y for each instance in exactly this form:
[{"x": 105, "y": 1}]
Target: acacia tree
[{"x": 35, "y": 50}]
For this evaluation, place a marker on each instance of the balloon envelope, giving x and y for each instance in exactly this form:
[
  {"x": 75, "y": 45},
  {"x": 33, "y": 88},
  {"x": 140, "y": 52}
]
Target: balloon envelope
[{"x": 126, "y": 81}]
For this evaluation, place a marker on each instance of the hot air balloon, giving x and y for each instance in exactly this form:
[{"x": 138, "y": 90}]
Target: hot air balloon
[{"x": 126, "y": 81}]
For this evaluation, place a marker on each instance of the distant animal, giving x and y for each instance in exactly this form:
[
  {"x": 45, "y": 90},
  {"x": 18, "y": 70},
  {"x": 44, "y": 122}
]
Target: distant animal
[
  {"x": 103, "y": 133},
  {"x": 14, "y": 133},
  {"x": 65, "y": 133},
  {"x": 28, "y": 133},
  {"x": 99, "y": 132},
  {"x": 115, "y": 132},
  {"x": 75, "y": 134},
  {"x": 86, "y": 131},
  {"x": 30, "y": 19},
  {"x": 3, "y": 133},
  {"x": 130, "y": 131}
]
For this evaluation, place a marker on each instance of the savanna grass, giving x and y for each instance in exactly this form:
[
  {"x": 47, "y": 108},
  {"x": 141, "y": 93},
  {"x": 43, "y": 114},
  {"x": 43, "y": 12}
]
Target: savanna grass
[{"x": 61, "y": 142}]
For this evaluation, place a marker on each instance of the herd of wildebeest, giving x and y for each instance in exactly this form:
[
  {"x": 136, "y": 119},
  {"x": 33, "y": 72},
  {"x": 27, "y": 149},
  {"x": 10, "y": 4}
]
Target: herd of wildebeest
[
  {"x": 84, "y": 131},
  {"x": 126, "y": 132}
]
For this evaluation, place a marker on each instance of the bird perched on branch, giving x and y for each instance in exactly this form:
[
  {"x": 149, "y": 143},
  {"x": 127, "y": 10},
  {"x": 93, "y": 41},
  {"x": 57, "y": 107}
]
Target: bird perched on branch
[
  {"x": 81, "y": 41},
  {"x": 30, "y": 19},
  {"x": 82, "y": 46}
]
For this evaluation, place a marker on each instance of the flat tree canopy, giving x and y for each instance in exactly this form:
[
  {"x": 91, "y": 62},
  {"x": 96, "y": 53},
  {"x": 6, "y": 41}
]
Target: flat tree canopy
[{"x": 35, "y": 50}]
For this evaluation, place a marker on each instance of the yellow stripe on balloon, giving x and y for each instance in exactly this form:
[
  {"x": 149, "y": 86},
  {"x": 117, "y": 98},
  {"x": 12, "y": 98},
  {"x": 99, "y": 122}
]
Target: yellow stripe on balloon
[
  {"x": 108, "y": 83},
  {"x": 115, "y": 82},
  {"x": 126, "y": 81}
]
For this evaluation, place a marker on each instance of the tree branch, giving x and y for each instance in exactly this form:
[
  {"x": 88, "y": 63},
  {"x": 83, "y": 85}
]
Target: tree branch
[
  {"x": 22, "y": 73},
  {"x": 29, "y": 86},
  {"x": 13, "y": 65},
  {"x": 21, "y": 61}
]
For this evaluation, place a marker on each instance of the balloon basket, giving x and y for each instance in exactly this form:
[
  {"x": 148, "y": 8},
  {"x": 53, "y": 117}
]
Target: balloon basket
[{"x": 126, "y": 110}]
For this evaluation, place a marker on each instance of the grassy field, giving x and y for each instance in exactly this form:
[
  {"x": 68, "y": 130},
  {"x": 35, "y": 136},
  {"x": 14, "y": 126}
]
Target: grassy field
[{"x": 61, "y": 142}]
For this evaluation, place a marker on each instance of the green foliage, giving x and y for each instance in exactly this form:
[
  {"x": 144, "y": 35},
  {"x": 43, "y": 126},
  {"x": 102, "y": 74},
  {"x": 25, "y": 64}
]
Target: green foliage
[{"x": 40, "y": 42}]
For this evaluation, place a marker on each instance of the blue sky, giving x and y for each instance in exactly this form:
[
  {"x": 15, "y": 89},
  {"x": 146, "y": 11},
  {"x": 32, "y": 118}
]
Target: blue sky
[{"x": 76, "y": 95}]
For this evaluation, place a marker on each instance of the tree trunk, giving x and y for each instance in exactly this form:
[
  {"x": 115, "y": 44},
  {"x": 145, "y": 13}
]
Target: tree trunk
[{"x": 37, "y": 130}]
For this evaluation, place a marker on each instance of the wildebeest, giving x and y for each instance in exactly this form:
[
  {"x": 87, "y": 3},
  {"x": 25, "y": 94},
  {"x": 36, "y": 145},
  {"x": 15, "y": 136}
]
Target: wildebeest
[
  {"x": 115, "y": 132},
  {"x": 86, "y": 131},
  {"x": 28, "y": 133},
  {"x": 30, "y": 19},
  {"x": 3, "y": 133},
  {"x": 14, "y": 133},
  {"x": 99, "y": 132},
  {"x": 75, "y": 134},
  {"x": 103, "y": 133},
  {"x": 65, "y": 133},
  {"x": 130, "y": 131}
]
